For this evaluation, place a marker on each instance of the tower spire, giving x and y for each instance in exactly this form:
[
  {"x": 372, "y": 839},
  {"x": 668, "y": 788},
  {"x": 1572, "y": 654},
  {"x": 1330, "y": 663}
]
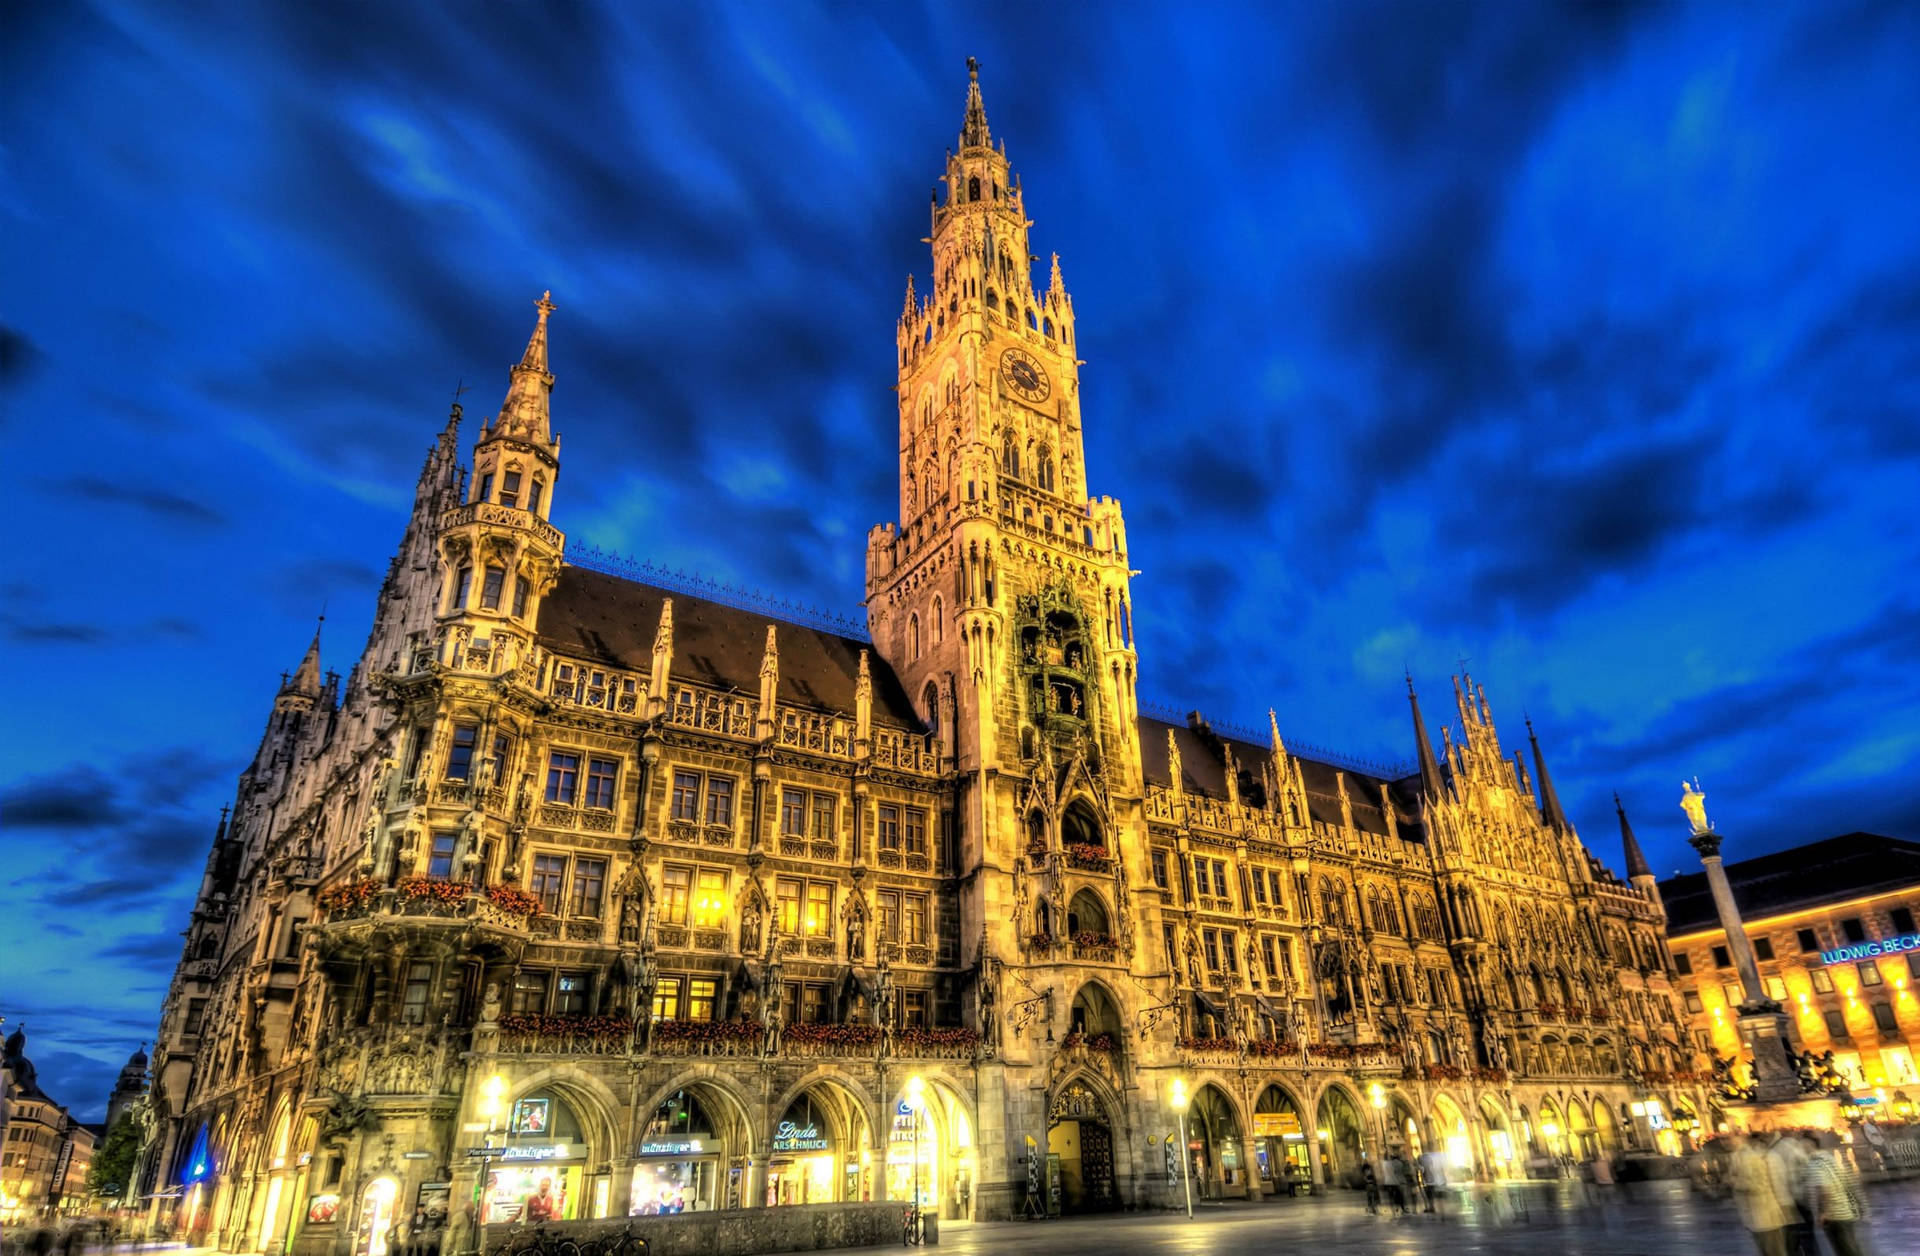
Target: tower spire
[
  {"x": 1636, "y": 859},
  {"x": 1550, "y": 810},
  {"x": 973, "y": 132},
  {"x": 1429, "y": 766},
  {"x": 524, "y": 413},
  {"x": 306, "y": 677}
]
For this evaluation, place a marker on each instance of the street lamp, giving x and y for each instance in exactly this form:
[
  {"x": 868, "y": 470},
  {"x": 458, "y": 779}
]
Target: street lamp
[
  {"x": 1378, "y": 1095},
  {"x": 493, "y": 1097},
  {"x": 916, "y": 1096},
  {"x": 1177, "y": 1099}
]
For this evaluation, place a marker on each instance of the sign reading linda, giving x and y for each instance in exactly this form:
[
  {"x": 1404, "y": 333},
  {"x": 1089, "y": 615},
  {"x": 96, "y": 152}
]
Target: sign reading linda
[
  {"x": 792, "y": 1137},
  {"x": 1867, "y": 950}
]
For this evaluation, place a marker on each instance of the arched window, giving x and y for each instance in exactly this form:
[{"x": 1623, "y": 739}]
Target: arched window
[
  {"x": 973, "y": 188},
  {"x": 1046, "y": 328},
  {"x": 930, "y": 698},
  {"x": 537, "y": 496},
  {"x": 953, "y": 391},
  {"x": 1033, "y": 320},
  {"x": 939, "y": 621},
  {"x": 1043, "y": 468},
  {"x": 913, "y": 636},
  {"x": 993, "y": 300},
  {"x": 1010, "y": 456}
]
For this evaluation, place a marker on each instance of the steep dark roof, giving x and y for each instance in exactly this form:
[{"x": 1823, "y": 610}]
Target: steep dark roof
[
  {"x": 1852, "y": 865},
  {"x": 604, "y": 619},
  {"x": 1204, "y": 771}
]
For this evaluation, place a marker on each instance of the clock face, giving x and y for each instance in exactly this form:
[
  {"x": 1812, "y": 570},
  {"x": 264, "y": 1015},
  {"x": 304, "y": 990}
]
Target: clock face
[{"x": 1024, "y": 376}]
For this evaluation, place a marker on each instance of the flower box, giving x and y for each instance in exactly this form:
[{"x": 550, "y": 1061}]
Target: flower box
[
  {"x": 707, "y": 1031},
  {"x": 344, "y": 899},
  {"x": 513, "y": 900},
  {"x": 1209, "y": 1044},
  {"x": 1087, "y": 857},
  {"x": 434, "y": 891},
  {"x": 1272, "y": 1049},
  {"x": 832, "y": 1035},
  {"x": 1102, "y": 1043}
]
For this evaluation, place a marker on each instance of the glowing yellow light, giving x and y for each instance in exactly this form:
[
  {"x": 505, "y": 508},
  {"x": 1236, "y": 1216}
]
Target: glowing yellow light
[
  {"x": 1549, "y": 1128},
  {"x": 1177, "y": 1096},
  {"x": 493, "y": 1096},
  {"x": 1378, "y": 1094}
]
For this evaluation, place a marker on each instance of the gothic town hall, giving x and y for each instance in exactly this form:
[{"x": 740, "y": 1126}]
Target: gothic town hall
[{"x": 685, "y": 905}]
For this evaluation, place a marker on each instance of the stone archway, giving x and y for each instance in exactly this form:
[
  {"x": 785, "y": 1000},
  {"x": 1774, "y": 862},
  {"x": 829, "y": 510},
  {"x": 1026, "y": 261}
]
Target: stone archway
[
  {"x": 1342, "y": 1136},
  {"x": 1081, "y": 1131}
]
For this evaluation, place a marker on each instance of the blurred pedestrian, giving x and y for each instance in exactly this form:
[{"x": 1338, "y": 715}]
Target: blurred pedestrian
[
  {"x": 1787, "y": 1162},
  {"x": 1371, "y": 1181},
  {"x": 1754, "y": 1196},
  {"x": 1836, "y": 1200}
]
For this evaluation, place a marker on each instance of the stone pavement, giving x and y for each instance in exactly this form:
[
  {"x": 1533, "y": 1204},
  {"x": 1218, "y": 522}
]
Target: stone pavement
[{"x": 1547, "y": 1220}]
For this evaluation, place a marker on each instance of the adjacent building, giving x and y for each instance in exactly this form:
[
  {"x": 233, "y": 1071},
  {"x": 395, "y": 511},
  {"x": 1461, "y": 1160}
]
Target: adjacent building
[
  {"x": 44, "y": 1152},
  {"x": 676, "y": 899},
  {"x": 1833, "y": 928}
]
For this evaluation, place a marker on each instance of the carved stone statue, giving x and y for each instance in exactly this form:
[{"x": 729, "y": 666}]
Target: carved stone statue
[
  {"x": 1693, "y": 801},
  {"x": 490, "y": 1004},
  {"x": 989, "y": 999},
  {"x": 750, "y": 929}
]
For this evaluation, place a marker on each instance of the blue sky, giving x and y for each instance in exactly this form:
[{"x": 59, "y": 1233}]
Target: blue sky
[{"x": 1580, "y": 342}]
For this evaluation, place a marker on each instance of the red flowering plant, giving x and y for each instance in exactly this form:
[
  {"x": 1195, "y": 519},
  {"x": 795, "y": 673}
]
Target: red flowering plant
[
  {"x": 1436, "y": 1073},
  {"x": 1041, "y": 941},
  {"x": 1346, "y": 1050},
  {"x": 938, "y": 1036},
  {"x": 604, "y": 1028},
  {"x": 433, "y": 890},
  {"x": 1269, "y": 1048},
  {"x": 1495, "y": 1075},
  {"x": 1088, "y": 940},
  {"x": 1087, "y": 857},
  {"x": 1209, "y": 1044},
  {"x": 512, "y": 899},
  {"x": 832, "y": 1035},
  {"x": 345, "y": 898},
  {"x": 1548, "y": 1009},
  {"x": 706, "y": 1031},
  {"x": 1102, "y": 1043}
]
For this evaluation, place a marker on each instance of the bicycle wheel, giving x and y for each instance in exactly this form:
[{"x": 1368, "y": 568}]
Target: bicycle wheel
[{"x": 566, "y": 1247}]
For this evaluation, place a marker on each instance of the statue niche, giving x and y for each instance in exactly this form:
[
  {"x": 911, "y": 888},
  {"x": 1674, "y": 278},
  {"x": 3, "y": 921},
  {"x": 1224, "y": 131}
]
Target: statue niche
[{"x": 1055, "y": 656}]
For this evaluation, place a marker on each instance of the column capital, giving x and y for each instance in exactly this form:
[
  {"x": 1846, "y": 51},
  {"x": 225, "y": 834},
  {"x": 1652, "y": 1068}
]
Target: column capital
[{"x": 1707, "y": 842}]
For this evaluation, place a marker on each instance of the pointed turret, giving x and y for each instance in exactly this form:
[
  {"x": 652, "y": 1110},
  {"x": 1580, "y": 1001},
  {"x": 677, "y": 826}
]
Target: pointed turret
[
  {"x": 1430, "y": 782},
  {"x": 1549, "y": 801},
  {"x": 306, "y": 677},
  {"x": 524, "y": 413},
  {"x": 973, "y": 131},
  {"x": 1636, "y": 859}
]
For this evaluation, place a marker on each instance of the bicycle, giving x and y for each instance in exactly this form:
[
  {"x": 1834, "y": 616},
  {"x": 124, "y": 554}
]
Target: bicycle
[
  {"x": 625, "y": 1243},
  {"x": 913, "y": 1231}
]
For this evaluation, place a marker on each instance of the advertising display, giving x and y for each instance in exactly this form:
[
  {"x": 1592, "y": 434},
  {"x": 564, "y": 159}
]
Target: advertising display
[
  {"x": 536, "y": 1192},
  {"x": 323, "y": 1209},
  {"x": 674, "y": 1175}
]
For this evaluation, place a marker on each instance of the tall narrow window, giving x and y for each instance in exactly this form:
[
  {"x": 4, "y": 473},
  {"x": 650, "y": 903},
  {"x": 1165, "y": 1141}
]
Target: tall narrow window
[
  {"x": 719, "y": 800},
  {"x": 700, "y": 996},
  {"x": 522, "y": 589},
  {"x": 510, "y": 489},
  {"x": 549, "y": 881},
  {"x": 913, "y": 919},
  {"x": 787, "y": 905},
  {"x": 710, "y": 909},
  {"x": 440, "y": 858},
  {"x": 676, "y": 888},
  {"x": 589, "y": 886},
  {"x": 888, "y": 902},
  {"x": 601, "y": 774},
  {"x": 530, "y": 993},
  {"x": 490, "y": 588},
  {"x": 888, "y": 826},
  {"x": 916, "y": 831},
  {"x": 535, "y": 495},
  {"x": 486, "y": 488},
  {"x": 793, "y": 812},
  {"x": 413, "y": 1006},
  {"x": 570, "y": 992},
  {"x": 686, "y": 795},
  {"x": 502, "y": 751},
  {"x": 824, "y": 809},
  {"x": 462, "y": 585},
  {"x": 563, "y": 777},
  {"x": 460, "y": 753},
  {"x": 819, "y": 920},
  {"x": 666, "y": 1000}
]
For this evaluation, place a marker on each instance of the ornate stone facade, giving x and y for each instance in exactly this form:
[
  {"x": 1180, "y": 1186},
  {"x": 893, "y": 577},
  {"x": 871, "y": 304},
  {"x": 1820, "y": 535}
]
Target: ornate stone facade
[{"x": 690, "y": 907}]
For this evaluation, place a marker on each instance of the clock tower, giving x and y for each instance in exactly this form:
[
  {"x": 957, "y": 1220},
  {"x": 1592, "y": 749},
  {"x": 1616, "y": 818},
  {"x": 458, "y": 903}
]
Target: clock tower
[{"x": 1001, "y": 597}]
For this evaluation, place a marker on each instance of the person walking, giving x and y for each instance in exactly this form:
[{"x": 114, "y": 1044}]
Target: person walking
[
  {"x": 1753, "y": 1195},
  {"x": 1787, "y": 1163},
  {"x": 1433, "y": 1174},
  {"x": 1371, "y": 1181},
  {"x": 1392, "y": 1179},
  {"x": 1836, "y": 1201}
]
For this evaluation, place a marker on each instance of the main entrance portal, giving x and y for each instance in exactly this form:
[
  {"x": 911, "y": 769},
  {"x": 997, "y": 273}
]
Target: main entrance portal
[{"x": 1080, "y": 1152}]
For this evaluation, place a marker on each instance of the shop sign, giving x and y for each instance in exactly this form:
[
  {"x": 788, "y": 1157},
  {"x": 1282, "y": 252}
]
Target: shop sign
[
  {"x": 528, "y": 1151},
  {"x": 1276, "y": 1125},
  {"x": 792, "y": 1137},
  {"x": 1867, "y": 950},
  {"x": 683, "y": 1147}
]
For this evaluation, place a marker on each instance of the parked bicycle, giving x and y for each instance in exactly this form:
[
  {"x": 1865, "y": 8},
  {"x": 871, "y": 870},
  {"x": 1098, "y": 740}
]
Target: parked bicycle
[
  {"x": 537, "y": 1242},
  {"x": 913, "y": 1230},
  {"x": 625, "y": 1243}
]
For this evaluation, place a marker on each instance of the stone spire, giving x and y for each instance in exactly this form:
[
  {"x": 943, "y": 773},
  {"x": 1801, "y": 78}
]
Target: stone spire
[
  {"x": 306, "y": 677},
  {"x": 1636, "y": 860},
  {"x": 973, "y": 132},
  {"x": 524, "y": 413},
  {"x": 1549, "y": 801},
  {"x": 1429, "y": 766}
]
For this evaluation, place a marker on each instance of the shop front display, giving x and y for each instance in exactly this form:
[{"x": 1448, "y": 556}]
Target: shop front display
[
  {"x": 913, "y": 1156},
  {"x": 678, "y": 1168},
  {"x": 534, "y": 1187},
  {"x": 1281, "y": 1158},
  {"x": 820, "y": 1151}
]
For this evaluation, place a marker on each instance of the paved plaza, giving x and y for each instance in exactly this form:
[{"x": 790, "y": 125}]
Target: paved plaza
[{"x": 1545, "y": 1221}]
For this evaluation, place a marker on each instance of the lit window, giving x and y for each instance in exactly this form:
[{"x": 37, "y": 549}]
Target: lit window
[
  {"x": 700, "y": 996},
  {"x": 1869, "y": 973},
  {"x": 1694, "y": 1004},
  {"x": 570, "y": 994},
  {"x": 530, "y": 993},
  {"x": 710, "y": 911},
  {"x": 1776, "y": 988},
  {"x": 1822, "y": 981},
  {"x": 787, "y": 905},
  {"x": 819, "y": 910},
  {"x": 666, "y": 1000}
]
